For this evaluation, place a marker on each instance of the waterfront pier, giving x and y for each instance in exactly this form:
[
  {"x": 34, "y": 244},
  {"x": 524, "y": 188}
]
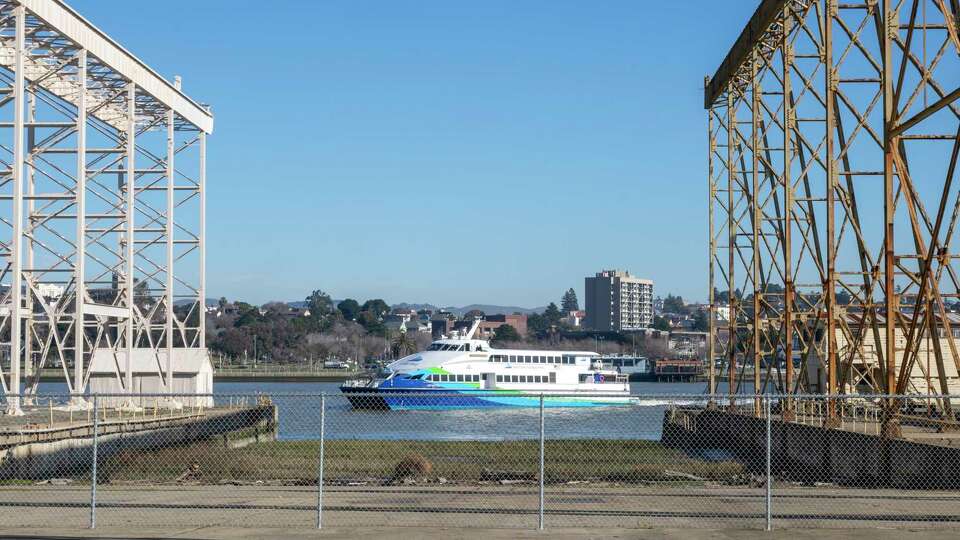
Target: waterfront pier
[{"x": 47, "y": 442}]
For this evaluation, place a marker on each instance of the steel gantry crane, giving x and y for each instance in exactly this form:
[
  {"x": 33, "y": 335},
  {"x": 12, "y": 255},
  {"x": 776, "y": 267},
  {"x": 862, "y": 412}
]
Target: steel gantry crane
[
  {"x": 102, "y": 180},
  {"x": 834, "y": 130}
]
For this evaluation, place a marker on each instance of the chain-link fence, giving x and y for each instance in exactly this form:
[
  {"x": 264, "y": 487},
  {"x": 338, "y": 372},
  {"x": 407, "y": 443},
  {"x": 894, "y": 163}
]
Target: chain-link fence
[{"x": 438, "y": 460}]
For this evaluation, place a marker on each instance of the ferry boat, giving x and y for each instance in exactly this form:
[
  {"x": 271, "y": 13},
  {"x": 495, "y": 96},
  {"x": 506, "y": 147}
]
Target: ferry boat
[{"x": 462, "y": 372}]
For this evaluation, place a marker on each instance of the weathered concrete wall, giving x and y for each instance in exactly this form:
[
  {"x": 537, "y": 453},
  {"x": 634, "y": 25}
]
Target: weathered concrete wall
[
  {"x": 813, "y": 454},
  {"x": 71, "y": 455}
]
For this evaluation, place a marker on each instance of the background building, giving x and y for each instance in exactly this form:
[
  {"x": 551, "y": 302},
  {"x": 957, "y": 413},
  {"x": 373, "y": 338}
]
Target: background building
[{"x": 617, "y": 301}]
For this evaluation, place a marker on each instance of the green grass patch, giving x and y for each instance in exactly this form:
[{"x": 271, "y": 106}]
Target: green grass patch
[{"x": 623, "y": 461}]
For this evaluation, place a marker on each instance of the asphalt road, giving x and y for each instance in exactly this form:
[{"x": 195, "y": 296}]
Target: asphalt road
[{"x": 513, "y": 508}]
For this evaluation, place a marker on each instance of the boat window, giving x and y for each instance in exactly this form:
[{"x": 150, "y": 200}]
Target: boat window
[
  {"x": 523, "y": 378},
  {"x": 628, "y": 363},
  {"x": 514, "y": 378},
  {"x": 499, "y": 378},
  {"x": 526, "y": 359},
  {"x": 417, "y": 377},
  {"x": 553, "y": 376},
  {"x": 459, "y": 378},
  {"x": 466, "y": 347},
  {"x": 435, "y": 347},
  {"x": 543, "y": 360}
]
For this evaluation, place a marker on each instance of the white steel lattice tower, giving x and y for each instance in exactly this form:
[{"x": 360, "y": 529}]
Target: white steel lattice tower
[{"x": 102, "y": 174}]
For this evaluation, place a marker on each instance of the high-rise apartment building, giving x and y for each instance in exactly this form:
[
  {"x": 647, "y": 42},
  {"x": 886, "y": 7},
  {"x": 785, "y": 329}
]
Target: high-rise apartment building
[{"x": 617, "y": 301}]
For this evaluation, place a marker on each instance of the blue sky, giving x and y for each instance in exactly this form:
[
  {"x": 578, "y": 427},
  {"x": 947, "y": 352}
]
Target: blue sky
[{"x": 444, "y": 152}]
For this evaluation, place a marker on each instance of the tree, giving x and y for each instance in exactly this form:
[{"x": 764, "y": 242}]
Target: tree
[
  {"x": 377, "y": 307},
  {"x": 473, "y": 315},
  {"x": 370, "y": 322},
  {"x": 700, "y": 322},
  {"x": 349, "y": 308},
  {"x": 660, "y": 323},
  {"x": 402, "y": 345},
  {"x": 505, "y": 333},
  {"x": 569, "y": 301},
  {"x": 222, "y": 303},
  {"x": 537, "y": 324},
  {"x": 248, "y": 317},
  {"x": 552, "y": 315},
  {"x": 319, "y": 304},
  {"x": 673, "y": 304}
]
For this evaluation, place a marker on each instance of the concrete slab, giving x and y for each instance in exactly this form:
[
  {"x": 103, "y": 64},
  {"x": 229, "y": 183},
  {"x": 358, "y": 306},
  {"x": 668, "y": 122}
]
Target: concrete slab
[{"x": 444, "y": 533}]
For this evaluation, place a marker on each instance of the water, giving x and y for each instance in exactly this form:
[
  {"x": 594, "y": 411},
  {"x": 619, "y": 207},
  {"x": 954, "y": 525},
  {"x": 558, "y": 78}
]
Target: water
[{"x": 299, "y": 415}]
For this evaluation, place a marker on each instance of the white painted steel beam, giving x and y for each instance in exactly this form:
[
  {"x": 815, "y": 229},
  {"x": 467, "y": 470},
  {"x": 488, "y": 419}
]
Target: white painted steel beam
[
  {"x": 16, "y": 263},
  {"x": 97, "y": 43},
  {"x": 81, "y": 239}
]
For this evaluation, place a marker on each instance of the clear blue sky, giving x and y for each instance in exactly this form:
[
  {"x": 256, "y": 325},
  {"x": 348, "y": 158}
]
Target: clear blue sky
[{"x": 444, "y": 152}]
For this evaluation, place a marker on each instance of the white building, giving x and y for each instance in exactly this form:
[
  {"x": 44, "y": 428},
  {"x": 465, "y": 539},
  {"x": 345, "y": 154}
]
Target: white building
[
  {"x": 617, "y": 301},
  {"x": 192, "y": 375}
]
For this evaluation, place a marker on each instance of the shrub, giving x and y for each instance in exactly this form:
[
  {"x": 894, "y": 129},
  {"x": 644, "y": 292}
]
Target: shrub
[{"x": 412, "y": 465}]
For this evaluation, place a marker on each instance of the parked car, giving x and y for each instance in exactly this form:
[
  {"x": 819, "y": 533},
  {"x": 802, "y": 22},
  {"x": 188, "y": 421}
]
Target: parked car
[{"x": 335, "y": 364}]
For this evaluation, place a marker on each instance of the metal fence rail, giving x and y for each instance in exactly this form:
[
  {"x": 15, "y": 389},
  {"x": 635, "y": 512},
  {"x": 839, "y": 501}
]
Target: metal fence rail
[{"x": 321, "y": 460}]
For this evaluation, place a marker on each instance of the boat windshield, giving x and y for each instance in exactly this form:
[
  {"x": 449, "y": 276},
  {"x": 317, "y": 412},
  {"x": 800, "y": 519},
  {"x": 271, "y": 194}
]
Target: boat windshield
[{"x": 445, "y": 347}]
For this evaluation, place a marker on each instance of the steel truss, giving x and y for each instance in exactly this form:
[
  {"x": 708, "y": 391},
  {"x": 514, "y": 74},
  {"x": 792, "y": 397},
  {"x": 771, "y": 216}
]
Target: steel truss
[
  {"x": 102, "y": 174},
  {"x": 834, "y": 130}
]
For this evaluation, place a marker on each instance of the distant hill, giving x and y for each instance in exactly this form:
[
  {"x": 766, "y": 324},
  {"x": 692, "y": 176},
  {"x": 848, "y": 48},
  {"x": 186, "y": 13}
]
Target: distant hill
[{"x": 489, "y": 309}]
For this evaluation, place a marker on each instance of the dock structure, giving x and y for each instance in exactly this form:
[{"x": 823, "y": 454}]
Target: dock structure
[
  {"x": 103, "y": 234},
  {"x": 44, "y": 443},
  {"x": 834, "y": 134}
]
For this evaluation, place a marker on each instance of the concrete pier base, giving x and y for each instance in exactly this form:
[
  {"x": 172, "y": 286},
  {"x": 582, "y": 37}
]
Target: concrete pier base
[
  {"x": 31, "y": 451},
  {"x": 818, "y": 454}
]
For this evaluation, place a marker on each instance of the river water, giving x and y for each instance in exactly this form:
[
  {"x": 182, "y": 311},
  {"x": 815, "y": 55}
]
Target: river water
[{"x": 299, "y": 415}]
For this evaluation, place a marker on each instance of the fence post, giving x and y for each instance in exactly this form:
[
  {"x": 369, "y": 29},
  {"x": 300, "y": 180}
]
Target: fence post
[
  {"x": 769, "y": 494},
  {"x": 540, "y": 521},
  {"x": 323, "y": 411},
  {"x": 93, "y": 467}
]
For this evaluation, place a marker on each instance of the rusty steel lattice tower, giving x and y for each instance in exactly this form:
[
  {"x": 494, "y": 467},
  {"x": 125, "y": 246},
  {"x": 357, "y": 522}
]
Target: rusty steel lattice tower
[
  {"x": 834, "y": 130},
  {"x": 102, "y": 173}
]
